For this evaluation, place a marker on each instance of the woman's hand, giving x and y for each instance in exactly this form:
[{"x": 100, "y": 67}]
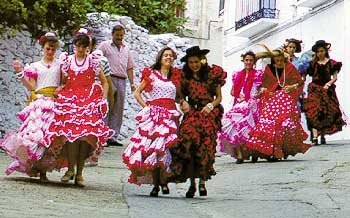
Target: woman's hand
[
  {"x": 326, "y": 86},
  {"x": 241, "y": 97},
  {"x": 185, "y": 106},
  {"x": 58, "y": 90},
  {"x": 17, "y": 66},
  {"x": 288, "y": 88},
  {"x": 208, "y": 108},
  {"x": 262, "y": 90}
]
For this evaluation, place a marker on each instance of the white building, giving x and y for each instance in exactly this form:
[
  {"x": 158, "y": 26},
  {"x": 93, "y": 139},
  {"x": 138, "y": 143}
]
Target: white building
[
  {"x": 205, "y": 25},
  {"x": 246, "y": 23}
]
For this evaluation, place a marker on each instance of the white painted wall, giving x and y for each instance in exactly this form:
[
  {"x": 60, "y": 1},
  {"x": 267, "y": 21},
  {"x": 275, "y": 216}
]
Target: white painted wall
[
  {"x": 207, "y": 13},
  {"x": 332, "y": 25}
]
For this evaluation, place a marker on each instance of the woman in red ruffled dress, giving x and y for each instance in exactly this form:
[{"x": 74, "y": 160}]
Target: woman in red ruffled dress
[
  {"x": 194, "y": 156},
  {"x": 148, "y": 156},
  {"x": 279, "y": 132},
  {"x": 321, "y": 106},
  {"x": 78, "y": 129}
]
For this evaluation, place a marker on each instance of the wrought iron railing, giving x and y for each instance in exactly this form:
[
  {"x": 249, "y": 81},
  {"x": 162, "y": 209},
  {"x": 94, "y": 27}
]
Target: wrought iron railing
[{"x": 249, "y": 11}]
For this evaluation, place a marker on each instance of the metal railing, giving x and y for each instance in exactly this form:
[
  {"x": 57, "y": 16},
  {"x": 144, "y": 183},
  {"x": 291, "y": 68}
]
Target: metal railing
[{"x": 249, "y": 11}]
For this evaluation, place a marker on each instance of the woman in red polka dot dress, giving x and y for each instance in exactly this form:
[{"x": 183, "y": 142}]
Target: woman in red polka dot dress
[
  {"x": 279, "y": 132},
  {"x": 194, "y": 156},
  {"x": 78, "y": 128}
]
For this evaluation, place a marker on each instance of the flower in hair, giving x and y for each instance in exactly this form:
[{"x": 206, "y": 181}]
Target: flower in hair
[
  {"x": 50, "y": 34},
  {"x": 83, "y": 31}
]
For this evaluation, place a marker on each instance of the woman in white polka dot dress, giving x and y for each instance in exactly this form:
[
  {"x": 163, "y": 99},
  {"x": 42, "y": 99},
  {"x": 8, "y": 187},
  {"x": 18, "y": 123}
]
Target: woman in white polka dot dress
[{"x": 279, "y": 132}]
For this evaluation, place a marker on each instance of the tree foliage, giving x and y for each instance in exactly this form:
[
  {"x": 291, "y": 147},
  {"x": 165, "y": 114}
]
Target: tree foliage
[{"x": 65, "y": 16}]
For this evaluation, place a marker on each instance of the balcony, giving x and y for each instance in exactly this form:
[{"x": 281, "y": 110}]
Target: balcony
[
  {"x": 309, "y": 3},
  {"x": 255, "y": 16}
]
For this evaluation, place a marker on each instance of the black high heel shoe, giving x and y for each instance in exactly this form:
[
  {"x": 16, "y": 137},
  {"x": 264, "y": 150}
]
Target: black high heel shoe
[
  {"x": 323, "y": 140},
  {"x": 202, "y": 190},
  {"x": 190, "y": 192},
  {"x": 254, "y": 159},
  {"x": 154, "y": 192},
  {"x": 165, "y": 190},
  {"x": 315, "y": 141},
  {"x": 239, "y": 161}
]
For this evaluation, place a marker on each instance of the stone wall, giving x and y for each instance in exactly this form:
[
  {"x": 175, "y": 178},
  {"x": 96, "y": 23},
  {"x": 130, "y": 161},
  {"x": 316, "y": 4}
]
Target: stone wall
[{"x": 144, "y": 48}]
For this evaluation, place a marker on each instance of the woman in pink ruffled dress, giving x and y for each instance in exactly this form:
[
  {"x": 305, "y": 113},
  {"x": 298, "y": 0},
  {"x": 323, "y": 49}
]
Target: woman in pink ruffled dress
[
  {"x": 240, "y": 120},
  {"x": 78, "y": 129},
  {"x": 148, "y": 156},
  {"x": 27, "y": 147}
]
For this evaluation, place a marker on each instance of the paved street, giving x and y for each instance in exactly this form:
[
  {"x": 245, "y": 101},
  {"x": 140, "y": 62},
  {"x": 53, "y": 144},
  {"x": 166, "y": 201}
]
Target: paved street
[{"x": 313, "y": 185}]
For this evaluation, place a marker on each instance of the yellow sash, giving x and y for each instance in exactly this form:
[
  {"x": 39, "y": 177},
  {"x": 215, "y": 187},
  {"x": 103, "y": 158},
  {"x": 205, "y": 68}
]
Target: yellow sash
[{"x": 47, "y": 91}]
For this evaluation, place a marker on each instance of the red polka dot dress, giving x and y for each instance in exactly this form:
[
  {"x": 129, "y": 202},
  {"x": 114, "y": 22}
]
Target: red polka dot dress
[
  {"x": 80, "y": 108},
  {"x": 278, "y": 132}
]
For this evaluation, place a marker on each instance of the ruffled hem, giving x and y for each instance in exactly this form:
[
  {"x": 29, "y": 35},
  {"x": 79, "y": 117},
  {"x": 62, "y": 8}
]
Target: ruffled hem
[
  {"x": 142, "y": 167},
  {"x": 278, "y": 132},
  {"x": 28, "y": 146}
]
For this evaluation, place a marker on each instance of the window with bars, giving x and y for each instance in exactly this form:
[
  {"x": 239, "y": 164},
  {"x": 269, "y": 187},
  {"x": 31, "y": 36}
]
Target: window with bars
[{"x": 249, "y": 11}]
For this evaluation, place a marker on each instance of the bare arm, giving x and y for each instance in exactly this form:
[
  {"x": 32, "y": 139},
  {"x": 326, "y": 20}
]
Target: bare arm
[
  {"x": 104, "y": 84},
  {"x": 31, "y": 84},
  {"x": 110, "y": 97},
  {"x": 137, "y": 93},
  {"x": 131, "y": 79}
]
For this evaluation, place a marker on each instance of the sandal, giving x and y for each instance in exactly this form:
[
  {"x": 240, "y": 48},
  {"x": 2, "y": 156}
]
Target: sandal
[
  {"x": 79, "y": 181},
  {"x": 165, "y": 189},
  {"x": 202, "y": 190},
  {"x": 69, "y": 175},
  {"x": 43, "y": 178},
  {"x": 154, "y": 192},
  {"x": 191, "y": 191}
]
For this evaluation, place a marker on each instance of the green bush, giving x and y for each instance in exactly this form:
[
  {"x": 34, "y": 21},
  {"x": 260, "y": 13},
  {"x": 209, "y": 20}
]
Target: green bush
[{"x": 65, "y": 16}]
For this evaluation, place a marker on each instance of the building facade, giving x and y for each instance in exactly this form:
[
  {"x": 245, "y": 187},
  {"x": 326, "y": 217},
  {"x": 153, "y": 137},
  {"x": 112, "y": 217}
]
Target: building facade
[{"x": 205, "y": 26}]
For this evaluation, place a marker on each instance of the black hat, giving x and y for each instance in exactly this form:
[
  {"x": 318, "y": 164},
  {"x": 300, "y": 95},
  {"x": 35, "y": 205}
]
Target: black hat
[
  {"x": 296, "y": 42},
  {"x": 194, "y": 51},
  {"x": 319, "y": 44}
]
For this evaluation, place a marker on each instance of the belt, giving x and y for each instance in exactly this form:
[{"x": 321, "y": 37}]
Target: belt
[{"x": 119, "y": 77}]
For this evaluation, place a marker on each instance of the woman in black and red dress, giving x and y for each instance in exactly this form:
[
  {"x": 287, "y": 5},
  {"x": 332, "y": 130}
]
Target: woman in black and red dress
[
  {"x": 201, "y": 88},
  {"x": 321, "y": 105}
]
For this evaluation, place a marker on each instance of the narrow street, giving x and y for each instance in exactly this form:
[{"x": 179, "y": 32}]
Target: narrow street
[{"x": 312, "y": 185}]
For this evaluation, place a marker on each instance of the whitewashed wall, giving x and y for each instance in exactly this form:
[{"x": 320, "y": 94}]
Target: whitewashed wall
[{"x": 206, "y": 13}]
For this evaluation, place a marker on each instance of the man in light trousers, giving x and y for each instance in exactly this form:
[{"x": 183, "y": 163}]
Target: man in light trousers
[{"x": 122, "y": 64}]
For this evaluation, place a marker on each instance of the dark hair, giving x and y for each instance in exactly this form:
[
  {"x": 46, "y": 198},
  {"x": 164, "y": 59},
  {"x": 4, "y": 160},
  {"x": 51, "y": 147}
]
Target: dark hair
[
  {"x": 296, "y": 42},
  {"x": 203, "y": 72},
  {"x": 117, "y": 28},
  {"x": 315, "y": 58},
  {"x": 93, "y": 41},
  {"x": 250, "y": 53},
  {"x": 51, "y": 40},
  {"x": 81, "y": 39},
  {"x": 157, "y": 64}
]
